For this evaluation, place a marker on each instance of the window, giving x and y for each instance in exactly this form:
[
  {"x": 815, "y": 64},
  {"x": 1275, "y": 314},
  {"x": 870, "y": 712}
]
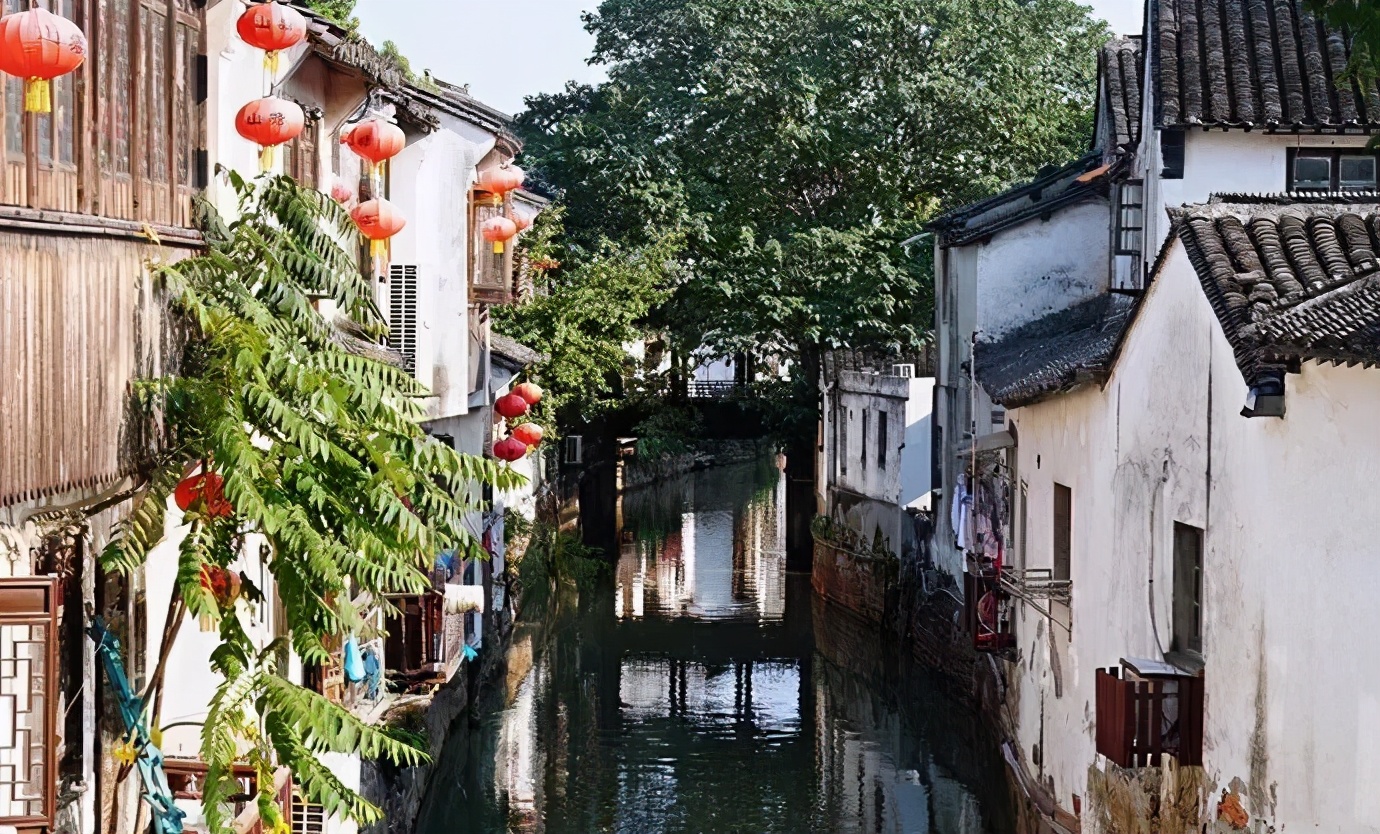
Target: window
[
  {"x": 1130, "y": 212},
  {"x": 28, "y": 700},
  {"x": 881, "y": 440},
  {"x": 1172, "y": 154},
  {"x": 844, "y": 415},
  {"x": 1188, "y": 589},
  {"x": 1063, "y": 533},
  {"x": 574, "y": 449},
  {"x": 301, "y": 161},
  {"x": 490, "y": 272},
  {"x": 1332, "y": 170},
  {"x": 402, "y": 312},
  {"x": 863, "y": 456}
]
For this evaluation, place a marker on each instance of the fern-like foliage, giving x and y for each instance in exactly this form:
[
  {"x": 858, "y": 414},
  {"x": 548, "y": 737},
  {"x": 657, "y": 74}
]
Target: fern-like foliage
[{"x": 322, "y": 453}]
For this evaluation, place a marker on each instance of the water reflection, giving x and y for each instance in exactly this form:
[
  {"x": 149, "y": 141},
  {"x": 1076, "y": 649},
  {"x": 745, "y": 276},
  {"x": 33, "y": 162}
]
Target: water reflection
[{"x": 706, "y": 691}]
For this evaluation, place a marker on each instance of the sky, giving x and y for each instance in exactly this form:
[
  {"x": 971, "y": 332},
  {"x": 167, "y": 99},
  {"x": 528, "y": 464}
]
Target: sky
[{"x": 508, "y": 50}]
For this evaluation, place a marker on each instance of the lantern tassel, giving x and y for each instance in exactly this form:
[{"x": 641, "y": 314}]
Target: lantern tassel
[
  {"x": 265, "y": 159},
  {"x": 38, "y": 95},
  {"x": 271, "y": 62},
  {"x": 498, "y": 247},
  {"x": 378, "y": 248},
  {"x": 378, "y": 170}
]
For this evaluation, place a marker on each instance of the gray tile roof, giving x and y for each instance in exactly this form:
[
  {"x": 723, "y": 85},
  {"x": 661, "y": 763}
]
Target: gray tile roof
[
  {"x": 1055, "y": 354},
  {"x": 514, "y": 354},
  {"x": 1054, "y": 188},
  {"x": 1121, "y": 67},
  {"x": 1253, "y": 63},
  {"x": 1290, "y": 281}
]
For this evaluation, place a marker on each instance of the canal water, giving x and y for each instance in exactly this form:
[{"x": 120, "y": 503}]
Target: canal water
[{"x": 701, "y": 689}]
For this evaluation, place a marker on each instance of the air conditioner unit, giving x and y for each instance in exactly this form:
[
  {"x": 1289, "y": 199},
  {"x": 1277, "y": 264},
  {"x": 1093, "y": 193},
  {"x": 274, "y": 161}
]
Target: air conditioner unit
[{"x": 907, "y": 371}]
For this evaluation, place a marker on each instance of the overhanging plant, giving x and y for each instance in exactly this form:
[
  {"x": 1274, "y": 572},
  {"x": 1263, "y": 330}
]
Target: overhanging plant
[{"x": 319, "y": 441}]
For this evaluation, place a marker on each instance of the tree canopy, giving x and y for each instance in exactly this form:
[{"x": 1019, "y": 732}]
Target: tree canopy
[
  {"x": 1361, "y": 19},
  {"x": 794, "y": 146}
]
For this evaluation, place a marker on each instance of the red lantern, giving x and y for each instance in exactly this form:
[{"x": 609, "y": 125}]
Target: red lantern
[
  {"x": 529, "y": 433},
  {"x": 510, "y": 406},
  {"x": 499, "y": 181},
  {"x": 207, "y": 489},
  {"x": 510, "y": 449},
  {"x": 341, "y": 193},
  {"x": 271, "y": 27},
  {"x": 522, "y": 218},
  {"x": 498, "y": 230},
  {"x": 223, "y": 584},
  {"x": 38, "y": 46},
  {"x": 378, "y": 220},
  {"x": 270, "y": 122},
  {"x": 376, "y": 141},
  {"x": 529, "y": 391}
]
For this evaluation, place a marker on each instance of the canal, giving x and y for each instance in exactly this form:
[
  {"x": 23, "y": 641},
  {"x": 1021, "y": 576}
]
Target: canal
[{"x": 701, "y": 689}]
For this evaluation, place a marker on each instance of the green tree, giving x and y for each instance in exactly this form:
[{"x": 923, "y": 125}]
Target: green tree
[
  {"x": 587, "y": 306},
  {"x": 1361, "y": 19},
  {"x": 340, "y": 11},
  {"x": 324, "y": 460},
  {"x": 797, "y": 144}
]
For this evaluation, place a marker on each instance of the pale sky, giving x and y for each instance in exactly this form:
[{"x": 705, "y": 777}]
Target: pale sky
[{"x": 508, "y": 50}]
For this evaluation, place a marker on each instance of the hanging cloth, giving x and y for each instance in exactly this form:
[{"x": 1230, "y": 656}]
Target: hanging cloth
[{"x": 354, "y": 665}]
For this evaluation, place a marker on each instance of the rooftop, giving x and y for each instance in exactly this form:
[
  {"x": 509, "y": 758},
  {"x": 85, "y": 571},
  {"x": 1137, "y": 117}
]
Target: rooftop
[
  {"x": 1254, "y": 63},
  {"x": 1121, "y": 66},
  {"x": 1053, "y": 189}
]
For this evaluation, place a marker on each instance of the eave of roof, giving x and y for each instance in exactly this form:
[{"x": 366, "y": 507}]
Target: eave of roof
[{"x": 513, "y": 354}]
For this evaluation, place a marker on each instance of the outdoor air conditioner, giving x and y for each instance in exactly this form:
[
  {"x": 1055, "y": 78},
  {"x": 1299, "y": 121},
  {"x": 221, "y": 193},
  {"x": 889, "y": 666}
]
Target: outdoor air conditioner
[{"x": 907, "y": 371}]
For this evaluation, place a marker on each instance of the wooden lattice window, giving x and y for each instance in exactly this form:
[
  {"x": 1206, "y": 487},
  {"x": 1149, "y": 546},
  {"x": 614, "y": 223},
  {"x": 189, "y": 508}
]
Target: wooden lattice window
[
  {"x": 302, "y": 162},
  {"x": 491, "y": 272},
  {"x": 28, "y": 700},
  {"x": 307, "y": 817}
]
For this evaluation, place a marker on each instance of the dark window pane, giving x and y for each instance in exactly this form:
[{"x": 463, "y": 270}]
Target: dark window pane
[
  {"x": 1356, "y": 172},
  {"x": 1313, "y": 172}
]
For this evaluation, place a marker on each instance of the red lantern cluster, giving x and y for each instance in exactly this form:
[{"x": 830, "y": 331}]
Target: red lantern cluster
[
  {"x": 271, "y": 27},
  {"x": 206, "y": 493},
  {"x": 38, "y": 46},
  {"x": 523, "y": 437}
]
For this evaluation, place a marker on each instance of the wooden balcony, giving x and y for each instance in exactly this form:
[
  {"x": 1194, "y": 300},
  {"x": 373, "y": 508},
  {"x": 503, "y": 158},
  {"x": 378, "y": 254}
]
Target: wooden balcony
[{"x": 1147, "y": 710}]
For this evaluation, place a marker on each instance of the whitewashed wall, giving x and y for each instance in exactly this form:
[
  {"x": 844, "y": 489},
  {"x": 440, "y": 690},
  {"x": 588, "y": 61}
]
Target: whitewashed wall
[
  {"x": 917, "y": 445},
  {"x": 1292, "y": 692}
]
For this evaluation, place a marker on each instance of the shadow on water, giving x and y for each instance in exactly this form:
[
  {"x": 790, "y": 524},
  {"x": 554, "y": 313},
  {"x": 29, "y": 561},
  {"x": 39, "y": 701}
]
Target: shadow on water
[{"x": 704, "y": 690}]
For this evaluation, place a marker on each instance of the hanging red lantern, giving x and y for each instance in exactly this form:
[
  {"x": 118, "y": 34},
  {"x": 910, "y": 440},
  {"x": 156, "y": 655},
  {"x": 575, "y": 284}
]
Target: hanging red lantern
[
  {"x": 529, "y": 391},
  {"x": 511, "y": 406},
  {"x": 207, "y": 490},
  {"x": 378, "y": 220},
  {"x": 271, "y": 27},
  {"x": 500, "y": 180},
  {"x": 341, "y": 193},
  {"x": 375, "y": 140},
  {"x": 269, "y": 122},
  {"x": 523, "y": 219},
  {"x": 498, "y": 231},
  {"x": 529, "y": 433},
  {"x": 224, "y": 584},
  {"x": 510, "y": 449},
  {"x": 38, "y": 46}
]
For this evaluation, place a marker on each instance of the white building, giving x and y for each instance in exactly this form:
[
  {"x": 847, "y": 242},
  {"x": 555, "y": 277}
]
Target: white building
[{"x": 1173, "y": 431}]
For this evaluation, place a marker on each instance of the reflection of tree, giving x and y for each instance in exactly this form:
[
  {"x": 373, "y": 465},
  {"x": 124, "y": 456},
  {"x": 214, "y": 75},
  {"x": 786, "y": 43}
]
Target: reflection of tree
[{"x": 654, "y": 511}]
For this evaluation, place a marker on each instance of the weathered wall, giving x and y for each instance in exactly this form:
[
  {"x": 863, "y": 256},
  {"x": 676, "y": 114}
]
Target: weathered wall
[{"x": 1290, "y": 691}]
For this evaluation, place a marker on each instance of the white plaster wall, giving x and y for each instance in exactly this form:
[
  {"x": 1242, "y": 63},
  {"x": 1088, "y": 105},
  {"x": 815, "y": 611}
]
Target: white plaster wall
[
  {"x": 917, "y": 446},
  {"x": 1041, "y": 266},
  {"x": 1293, "y": 692},
  {"x": 873, "y": 395},
  {"x": 431, "y": 182}
]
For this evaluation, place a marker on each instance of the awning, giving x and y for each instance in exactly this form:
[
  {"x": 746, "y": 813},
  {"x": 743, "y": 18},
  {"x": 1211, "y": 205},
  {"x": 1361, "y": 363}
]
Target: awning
[{"x": 989, "y": 443}]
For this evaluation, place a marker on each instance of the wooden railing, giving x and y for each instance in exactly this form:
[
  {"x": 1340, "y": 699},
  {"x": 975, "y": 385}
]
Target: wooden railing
[{"x": 1140, "y": 720}]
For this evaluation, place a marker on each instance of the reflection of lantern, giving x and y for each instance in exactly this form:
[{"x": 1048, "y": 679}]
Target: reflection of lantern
[
  {"x": 271, "y": 27},
  {"x": 529, "y": 433},
  {"x": 376, "y": 141},
  {"x": 378, "y": 220},
  {"x": 510, "y": 406},
  {"x": 510, "y": 449},
  {"x": 270, "y": 122},
  {"x": 529, "y": 391},
  {"x": 498, "y": 230},
  {"x": 499, "y": 181},
  {"x": 38, "y": 46},
  {"x": 208, "y": 490}
]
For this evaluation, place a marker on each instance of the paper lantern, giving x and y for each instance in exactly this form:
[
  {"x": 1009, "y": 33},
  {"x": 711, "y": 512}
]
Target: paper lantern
[
  {"x": 511, "y": 406},
  {"x": 224, "y": 584},
  {"x": 510, "y": 449},
  {"x": 268, "y": 123},
  {"x": 498, "y": 231},
  {"x": 501, "y": 180},
  {"x": 206, "y": 491},
  {"x": 38, "y": 46},
  {"x": 529, "y": 433},
  {"x": 378, "y": 220},
  {"x": 271, "y": 27},
  {"x": 523, "y": 219},
  {"x": 529, "y": 391},
  {"x": 376, "y": 141},
  {"x": 341, "y": 193}
]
